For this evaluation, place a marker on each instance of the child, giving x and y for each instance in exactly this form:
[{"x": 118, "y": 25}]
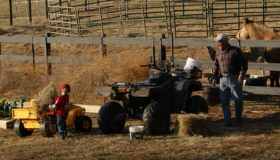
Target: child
[{"x": 61, "y": 104}]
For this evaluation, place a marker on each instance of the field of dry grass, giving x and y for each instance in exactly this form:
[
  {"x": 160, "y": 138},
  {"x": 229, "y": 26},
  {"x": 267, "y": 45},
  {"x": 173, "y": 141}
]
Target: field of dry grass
[{"x": 258, "y": 138}]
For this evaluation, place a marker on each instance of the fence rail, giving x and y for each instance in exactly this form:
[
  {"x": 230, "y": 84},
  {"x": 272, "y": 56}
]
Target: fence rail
[
  {"x": 138, "y": 41},
  {"x": 160, "y": 42}
]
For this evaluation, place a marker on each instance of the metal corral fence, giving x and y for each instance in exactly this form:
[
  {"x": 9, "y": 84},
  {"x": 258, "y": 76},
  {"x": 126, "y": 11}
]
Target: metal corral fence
[
  {"x": 189, "y": 19},
  {"x": 39, "y": 9},
  {"x": 149, "y": 18},
  {"x": 121, "y": 19},
  {"x": 186, "y": 19},
  {"x": 23, "y": 10},
  {"x": 21, "y": 7}
]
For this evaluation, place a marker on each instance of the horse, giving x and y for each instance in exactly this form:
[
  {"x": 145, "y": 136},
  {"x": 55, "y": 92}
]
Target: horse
[{"x": 254, "y": 31}]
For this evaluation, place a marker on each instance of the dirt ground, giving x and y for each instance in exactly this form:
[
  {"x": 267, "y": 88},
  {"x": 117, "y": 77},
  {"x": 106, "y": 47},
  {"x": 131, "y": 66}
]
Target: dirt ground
[{"x": 257, "y": 138}]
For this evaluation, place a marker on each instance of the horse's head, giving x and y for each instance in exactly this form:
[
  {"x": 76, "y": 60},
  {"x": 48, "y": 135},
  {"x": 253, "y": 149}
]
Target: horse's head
[
  {"x": 257, "y": 31},
  {"x": 247, "y": 21},
  {"x": 242, "y": 34}
]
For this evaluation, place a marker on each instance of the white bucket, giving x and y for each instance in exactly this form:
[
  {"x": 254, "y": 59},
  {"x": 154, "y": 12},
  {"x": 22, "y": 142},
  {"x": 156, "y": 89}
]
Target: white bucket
[
  {"x": 188, "y": 66},
  {"x": 136, "y": 132},
  {"x": 190, "y": 63}
]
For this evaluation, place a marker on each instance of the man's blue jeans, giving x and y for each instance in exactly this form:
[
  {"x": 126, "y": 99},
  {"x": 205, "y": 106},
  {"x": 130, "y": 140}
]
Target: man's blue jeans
[
  {"x": 61, "y": 125},
  {"x": 230, "y": 86}
]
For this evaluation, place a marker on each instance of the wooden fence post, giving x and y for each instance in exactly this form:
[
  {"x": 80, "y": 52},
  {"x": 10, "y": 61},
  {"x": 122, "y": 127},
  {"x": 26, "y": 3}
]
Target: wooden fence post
[
  {"x": 11, "y": 12},
  {"x": 47, "y": 51},
  {"x": 47, "y": 7},
  {"x": 161, "y": 49},
  {"x": 102, "y": 46},
  {"x": 47, "y": 46},
  {"x": 60, "y": 6},
  {"x": 30, "y": 15},
  {"x": 0, "y": 62}
]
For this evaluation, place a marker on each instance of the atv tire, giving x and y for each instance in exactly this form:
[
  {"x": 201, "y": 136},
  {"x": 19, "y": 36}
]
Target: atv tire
[
  {"x": 20, "y": 130},
  {"x": 83, "y": 124},
  {"x": 47, "y": 129},
  {"x": 196, "y": 105},
  {"x": 111, "y": 118},
  {"x": 156, "y": 119}
]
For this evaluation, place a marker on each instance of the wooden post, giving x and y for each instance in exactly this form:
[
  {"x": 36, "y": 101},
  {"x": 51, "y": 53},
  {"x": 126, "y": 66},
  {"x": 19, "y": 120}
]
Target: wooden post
[
  {"x": 60, "y": 6},
  {"x": 146, "y": 9},
  {"x": 86, "y": 4},
  {"x": 102, "y": 46},
  {"x": 47, "y": 51},
  {"x": 47, "y": 8},
  {"x": 161, "y": 49},
  {"x": 30, "y": 15},
  {"x": 33, "y": 54},
  {"x": 0, "y": 62},
  {"x": 11, "y": 12},
  {"x": 47, "y": 46}
]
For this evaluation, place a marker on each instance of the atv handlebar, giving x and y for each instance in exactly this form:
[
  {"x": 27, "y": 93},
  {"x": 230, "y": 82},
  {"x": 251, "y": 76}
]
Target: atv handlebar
[
  {"x": 149, "y": 65},
  {"x": 127, "y": 84},
  {"x": 145, "y": 65}
]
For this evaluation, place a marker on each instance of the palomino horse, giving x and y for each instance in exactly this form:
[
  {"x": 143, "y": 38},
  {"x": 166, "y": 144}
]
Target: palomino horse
[{"x": 254, "y": 31}]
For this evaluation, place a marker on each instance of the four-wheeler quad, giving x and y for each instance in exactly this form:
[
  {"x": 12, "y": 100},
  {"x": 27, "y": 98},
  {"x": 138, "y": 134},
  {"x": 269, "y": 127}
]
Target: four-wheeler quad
[{"x": 166, "y": 91}]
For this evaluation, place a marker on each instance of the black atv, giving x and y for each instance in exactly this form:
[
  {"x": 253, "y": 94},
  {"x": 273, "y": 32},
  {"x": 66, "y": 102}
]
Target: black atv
[{"x": 152, "y": 101}]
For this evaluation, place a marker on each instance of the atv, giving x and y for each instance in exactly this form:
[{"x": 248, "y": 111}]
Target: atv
[{"x": 166, "y": 91}]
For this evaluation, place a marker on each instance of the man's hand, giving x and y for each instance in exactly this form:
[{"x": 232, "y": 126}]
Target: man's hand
[
  {"x": 214, "y": 81},
  {"x": 240, "y": 78}
]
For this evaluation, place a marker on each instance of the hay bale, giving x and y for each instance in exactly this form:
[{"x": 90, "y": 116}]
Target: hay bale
[
  {"x": 192, "y": 124},
  {"x": 45, "y": 98}
]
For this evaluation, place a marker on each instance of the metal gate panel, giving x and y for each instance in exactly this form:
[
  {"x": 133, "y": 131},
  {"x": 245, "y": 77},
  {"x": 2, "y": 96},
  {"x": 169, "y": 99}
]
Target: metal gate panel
[
  {"x": 63, "y": 20},
  {"x": 124, "y": 19},
  {"x": 190, "y": 19}
]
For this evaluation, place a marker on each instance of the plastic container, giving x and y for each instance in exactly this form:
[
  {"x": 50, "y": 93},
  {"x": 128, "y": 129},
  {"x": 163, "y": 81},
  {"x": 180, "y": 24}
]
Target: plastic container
[
  {"x": 190, "y": 63},
  {"x": 136, "y": 132},
  {"x": 255, "y": 80}
]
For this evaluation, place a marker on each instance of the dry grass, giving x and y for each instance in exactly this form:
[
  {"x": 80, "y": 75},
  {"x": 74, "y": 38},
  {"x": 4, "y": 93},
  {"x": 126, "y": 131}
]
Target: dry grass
[
  {"x": 25, "y": 81},
  {"x": 45, "y": 98},
  {"x": 84, "y": 80}
]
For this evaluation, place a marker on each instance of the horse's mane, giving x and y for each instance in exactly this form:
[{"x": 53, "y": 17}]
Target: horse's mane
[{"x": 265, "y": 28}]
